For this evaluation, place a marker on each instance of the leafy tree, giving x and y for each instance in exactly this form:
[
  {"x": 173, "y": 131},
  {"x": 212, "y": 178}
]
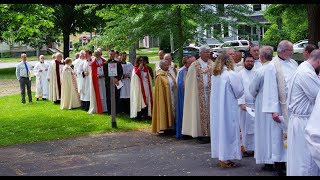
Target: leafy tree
[
  {"x": 283, "y": 25},
  {"x": 71, "y": 19},
  {"x": 182, "y": 20},
  {"x": 30, "y": 24}
]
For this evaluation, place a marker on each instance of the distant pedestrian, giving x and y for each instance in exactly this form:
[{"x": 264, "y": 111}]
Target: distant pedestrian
[{"x": 23, "y": 71}]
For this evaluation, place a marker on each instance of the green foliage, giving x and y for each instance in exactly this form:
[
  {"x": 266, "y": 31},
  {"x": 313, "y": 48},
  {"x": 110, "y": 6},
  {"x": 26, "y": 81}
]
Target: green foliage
[
  {"x": 29, "y": 23},
  {"x": 165, "y": 44},
  {"x": 8, "y": 73},
  {"x": 287, "y": 22},
  {"x": 43, "y": 120}
]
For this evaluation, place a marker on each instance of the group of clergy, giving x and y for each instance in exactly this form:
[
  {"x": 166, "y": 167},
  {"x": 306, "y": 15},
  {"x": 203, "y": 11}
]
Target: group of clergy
[{"x": 258, "y": 105}]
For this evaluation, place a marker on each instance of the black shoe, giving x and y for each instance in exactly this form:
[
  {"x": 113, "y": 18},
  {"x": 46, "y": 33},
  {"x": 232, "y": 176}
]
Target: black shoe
[
  {"x": 37, "y": 99},
  {"x": 44, "y": 99},
  {"x": 23, "y": 102},
  {"x": 245, "y": 154},
  {"x": 203, "y": 140},
  {"x": 268, "y": 167}
]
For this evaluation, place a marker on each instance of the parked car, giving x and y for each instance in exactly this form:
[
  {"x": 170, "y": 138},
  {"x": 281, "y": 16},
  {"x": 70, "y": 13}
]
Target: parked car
[
  {"x": 238, "y": 45},
  {"x": 189, "y": 50},
  {"x": 299, "y": 46}
]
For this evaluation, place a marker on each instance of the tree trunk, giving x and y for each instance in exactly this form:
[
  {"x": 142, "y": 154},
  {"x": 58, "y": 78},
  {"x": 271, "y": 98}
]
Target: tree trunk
[
  {"x": 180, "y": 36},
  {"x": 314, "y": 21},
  {"x": 66, "y": 40},
  {"x": 38, "y": 51},
  {"x": 133, "y": 53}
]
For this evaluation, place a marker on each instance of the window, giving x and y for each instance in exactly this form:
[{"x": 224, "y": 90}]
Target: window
[
  {"x": 256, "y": 7},
  {"x": 245, "y": 43},
  {"x": 235, "y": 43}
]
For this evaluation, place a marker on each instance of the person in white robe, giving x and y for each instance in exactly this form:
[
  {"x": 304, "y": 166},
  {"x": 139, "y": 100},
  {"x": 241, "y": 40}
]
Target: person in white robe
[
  {"x": 226, "y": 88},
  {"x": 263, "y": 121},
  {"x": 55, "y": 78},
  {"x": 42, "y": 84},
  {"x": 247, "y": 101},
  {"x": 275, "y": 100},
  {"x": 156, "y": 66},
  {"x": 312, "y": 132},
  {"x": 196, "y": 117},
  {"x": 124, "y": 102},
  {"x": 98, "y": 103},
  {"x": 254, "y": 51},
  {"x": 141, "y": 100},
  {"x": 83, "y": 71},
  {"x": 76, "y": 65},
  {"x": 172, "y": 68},
  {"x": 70, "y": 98},
  {"x": 302, "y": 92},
  {"x": 238, "y": 61}
]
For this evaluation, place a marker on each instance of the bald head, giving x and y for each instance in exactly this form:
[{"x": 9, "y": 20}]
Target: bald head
[
  {"x": 161, "y": 54},
  {"x": 168, "y": 57}
]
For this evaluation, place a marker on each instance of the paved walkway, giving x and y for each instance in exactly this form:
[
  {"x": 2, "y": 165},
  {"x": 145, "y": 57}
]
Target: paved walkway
[{"x": 134, "y": 153}]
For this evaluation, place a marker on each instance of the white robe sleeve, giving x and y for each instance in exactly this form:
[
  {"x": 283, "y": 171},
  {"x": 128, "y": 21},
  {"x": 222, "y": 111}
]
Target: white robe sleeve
[
  {"x": 242, "y": 99},
  {"x": 310, "y": 86},
  {"x": 236, "y": 84},
  {"x": 270, "y": 101},
  {"x": 312, "y": 132}
]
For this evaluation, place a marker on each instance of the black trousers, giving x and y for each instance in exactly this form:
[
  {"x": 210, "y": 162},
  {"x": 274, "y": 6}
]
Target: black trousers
[
  {"x": 124, "y": 105},
  {"x": 23, "y": 83},
  {"x": 117, "y": 95}
]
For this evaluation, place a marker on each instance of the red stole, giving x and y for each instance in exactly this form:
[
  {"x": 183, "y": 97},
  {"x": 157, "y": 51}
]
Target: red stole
[
  {"x": 58, "y": 76},
  {"x": 138, "y": 72},
  {"x": 94, "y": 68}
]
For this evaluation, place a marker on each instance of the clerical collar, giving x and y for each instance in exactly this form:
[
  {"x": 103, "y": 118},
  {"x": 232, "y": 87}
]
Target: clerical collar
[
  {"x": 281, "y": 58},
  {"x": 41, "y": 62},
  {"x": 88, "y": 60},
  {"x": 123, "y": 62}
]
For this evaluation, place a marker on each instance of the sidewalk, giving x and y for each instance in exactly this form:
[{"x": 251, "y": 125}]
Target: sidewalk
[
  {"x": 135, "y": 153},
  {"x": 4, "y": 65}
]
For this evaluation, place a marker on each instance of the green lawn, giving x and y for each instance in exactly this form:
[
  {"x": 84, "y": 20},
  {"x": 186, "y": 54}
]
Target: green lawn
[
  {"x": 8, "y": 73},
  {"x": 43, "y": 120}
]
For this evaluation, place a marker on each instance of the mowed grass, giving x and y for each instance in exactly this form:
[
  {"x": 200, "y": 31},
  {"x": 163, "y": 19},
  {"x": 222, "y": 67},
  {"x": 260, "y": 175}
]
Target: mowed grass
[
  {"x": 8, "y": 73},
  {"x": 43, "y": 120},
  {"x": 152, "y": 53}
]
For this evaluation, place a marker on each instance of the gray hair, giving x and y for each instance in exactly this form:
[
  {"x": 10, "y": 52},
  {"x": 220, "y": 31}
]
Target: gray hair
[
  {"x": 283, "y": 45},
  {"x": 204, "y": 48},
  {"x": 315, "y": 55},
  {"x": 162, "y": 63},
  {"x": 266, "y": 52}
]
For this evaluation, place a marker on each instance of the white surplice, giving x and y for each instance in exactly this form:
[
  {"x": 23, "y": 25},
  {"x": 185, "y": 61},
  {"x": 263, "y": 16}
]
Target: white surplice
[
  {"x": 136, "y": 96},
  {"x": 42, "y": 83},
  {"x": 270, "y": 103},
  {"x": 224, "y": 115},
  {"x": 312, "y": 132},
  {"x": 246, "y": 120},
  {"x": 302, "y": 92},
  {"x": 263, "y": 121},
  {"x": 85, "y": 80},
  {"x": 125, "y": 90}
]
